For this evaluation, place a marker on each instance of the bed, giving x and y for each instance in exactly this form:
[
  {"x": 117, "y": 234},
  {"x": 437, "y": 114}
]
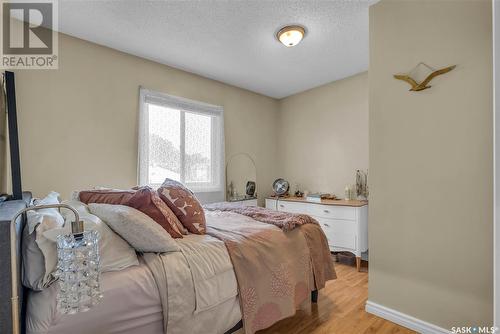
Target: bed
[{"x": 195, "y": 290}]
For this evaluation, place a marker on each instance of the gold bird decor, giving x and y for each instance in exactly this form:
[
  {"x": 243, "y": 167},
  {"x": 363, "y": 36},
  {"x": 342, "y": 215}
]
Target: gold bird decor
[{"x": 415, "y": 86}]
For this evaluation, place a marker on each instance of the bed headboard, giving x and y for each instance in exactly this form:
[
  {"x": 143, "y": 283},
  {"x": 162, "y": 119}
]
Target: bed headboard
[{"x": 8, "y": 210}]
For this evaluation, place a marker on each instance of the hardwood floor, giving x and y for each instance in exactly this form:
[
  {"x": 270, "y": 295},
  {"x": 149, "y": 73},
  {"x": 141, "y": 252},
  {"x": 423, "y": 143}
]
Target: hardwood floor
[{"x": 340, "y": 310}]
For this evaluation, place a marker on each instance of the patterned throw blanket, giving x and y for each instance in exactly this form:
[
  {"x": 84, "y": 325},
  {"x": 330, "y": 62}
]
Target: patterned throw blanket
[
  {"x": 276, "y": 268},
  {"x": 284, "y": 220}
]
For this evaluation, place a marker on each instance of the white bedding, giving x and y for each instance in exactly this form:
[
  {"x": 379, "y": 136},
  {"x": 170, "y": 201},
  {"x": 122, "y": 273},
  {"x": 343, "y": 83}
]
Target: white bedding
[
  {"x": 212, "y": 272},
  {"x": 202, "y": 297},
  {"x": 202, "y": 291}
]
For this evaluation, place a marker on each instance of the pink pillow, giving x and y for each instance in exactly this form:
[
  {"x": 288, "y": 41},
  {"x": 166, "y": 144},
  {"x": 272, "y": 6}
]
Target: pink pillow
[
  {"x": 143, "y": 199},
  {"x": 147, "y": 201},
  {"x": 107, "y": 196},
  {"x": 184, "y": 204}
]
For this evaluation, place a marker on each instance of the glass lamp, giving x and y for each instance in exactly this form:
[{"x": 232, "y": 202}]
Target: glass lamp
[
  {"x": 78, "y": 270},
  {"x": 78, "y": 267}
]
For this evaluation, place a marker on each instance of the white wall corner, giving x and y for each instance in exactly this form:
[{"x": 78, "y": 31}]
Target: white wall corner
[{"x": 403, "y": 319}]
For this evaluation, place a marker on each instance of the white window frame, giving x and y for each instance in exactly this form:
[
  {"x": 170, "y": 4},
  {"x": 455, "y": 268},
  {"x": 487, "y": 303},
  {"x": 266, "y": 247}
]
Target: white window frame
[{"x": 184, "y": 105}]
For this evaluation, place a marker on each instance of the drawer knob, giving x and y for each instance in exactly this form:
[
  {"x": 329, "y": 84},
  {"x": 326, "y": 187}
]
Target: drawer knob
[
  {"x": 282, "y": 206},
  {"x": 326, "y": 211},
  {"x": 326, "y": 225}
]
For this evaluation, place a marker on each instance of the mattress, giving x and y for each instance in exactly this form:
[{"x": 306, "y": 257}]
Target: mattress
[{"x": 132, "y": 304}]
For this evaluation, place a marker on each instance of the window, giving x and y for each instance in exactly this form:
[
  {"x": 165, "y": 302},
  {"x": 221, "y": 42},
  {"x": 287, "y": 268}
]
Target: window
[{"x": 182, "y": 140}]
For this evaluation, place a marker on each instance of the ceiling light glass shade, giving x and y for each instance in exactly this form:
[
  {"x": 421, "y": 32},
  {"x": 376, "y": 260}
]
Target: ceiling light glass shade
[{"x": 291, "y": 35}]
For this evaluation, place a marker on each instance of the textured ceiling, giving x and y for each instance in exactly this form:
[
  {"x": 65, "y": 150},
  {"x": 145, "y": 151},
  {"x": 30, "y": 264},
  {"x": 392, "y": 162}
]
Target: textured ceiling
[{"x": 232, "y": 41}]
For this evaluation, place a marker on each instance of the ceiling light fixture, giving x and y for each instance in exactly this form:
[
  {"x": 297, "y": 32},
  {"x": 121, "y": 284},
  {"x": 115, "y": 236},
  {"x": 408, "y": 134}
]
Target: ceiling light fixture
[{"x": 291, "y": 35}]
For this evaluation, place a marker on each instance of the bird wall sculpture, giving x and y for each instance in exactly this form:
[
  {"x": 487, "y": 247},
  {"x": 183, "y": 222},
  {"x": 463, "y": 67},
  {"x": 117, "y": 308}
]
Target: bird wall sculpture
[{"x": 415, "y": 86}]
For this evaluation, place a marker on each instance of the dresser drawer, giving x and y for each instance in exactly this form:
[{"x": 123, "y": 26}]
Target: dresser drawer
[
  {"x": 332, "y": 211},
  {"x": 328, "y": 231},
  {"x": 270, "y": 204},
  {"x": 340, "y": 233},
  {"x": 293, "y": 207}
]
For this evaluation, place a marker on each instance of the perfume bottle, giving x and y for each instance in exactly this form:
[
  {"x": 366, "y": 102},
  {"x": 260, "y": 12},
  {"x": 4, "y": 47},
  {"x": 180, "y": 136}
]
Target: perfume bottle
[
  {"x": 78, "y": 270},
  {"x": 348, "y": 194}
]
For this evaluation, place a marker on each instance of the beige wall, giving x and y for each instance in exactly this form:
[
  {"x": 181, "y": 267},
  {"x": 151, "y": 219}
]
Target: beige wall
[
  {"x": 431, "y": 161},
  {"x": 239, "y": 170},
  {"x": 324, "y": 135},
  {"x": 78, "y": 125}
]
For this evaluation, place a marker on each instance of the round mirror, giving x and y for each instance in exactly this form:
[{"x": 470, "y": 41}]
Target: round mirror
[{"x": 241, "y": 178}]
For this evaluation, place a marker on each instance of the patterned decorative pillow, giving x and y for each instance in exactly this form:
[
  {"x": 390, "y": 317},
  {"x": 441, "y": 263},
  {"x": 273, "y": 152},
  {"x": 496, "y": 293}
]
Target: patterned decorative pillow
[
  {"x": 184, "y": 204},
  {"x": 143, "y": 199}
]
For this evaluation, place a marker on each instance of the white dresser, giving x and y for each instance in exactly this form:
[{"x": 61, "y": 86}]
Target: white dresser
[
  {"x": 243, "y": 202},
  {"x": 345, "y": 223}
]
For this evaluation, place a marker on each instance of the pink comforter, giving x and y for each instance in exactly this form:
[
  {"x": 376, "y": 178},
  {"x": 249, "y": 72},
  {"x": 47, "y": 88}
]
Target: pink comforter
[{"x": 276, "y": 268}]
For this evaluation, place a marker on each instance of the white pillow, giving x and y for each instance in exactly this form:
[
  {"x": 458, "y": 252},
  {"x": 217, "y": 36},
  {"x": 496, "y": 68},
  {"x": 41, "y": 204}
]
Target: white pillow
[
  {"x": 116, "y": 254},
  {"x": 40, "y": 254},
  {"x": 142, "y": 232},
  {"x": 50, "y": 218}
]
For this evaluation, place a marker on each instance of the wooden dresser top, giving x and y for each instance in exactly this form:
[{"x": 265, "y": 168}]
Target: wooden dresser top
[{"x": 338, "y": 202}]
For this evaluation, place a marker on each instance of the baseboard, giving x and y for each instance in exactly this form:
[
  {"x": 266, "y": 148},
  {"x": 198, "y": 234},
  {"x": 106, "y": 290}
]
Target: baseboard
[{"x": 404, "y": 320}]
